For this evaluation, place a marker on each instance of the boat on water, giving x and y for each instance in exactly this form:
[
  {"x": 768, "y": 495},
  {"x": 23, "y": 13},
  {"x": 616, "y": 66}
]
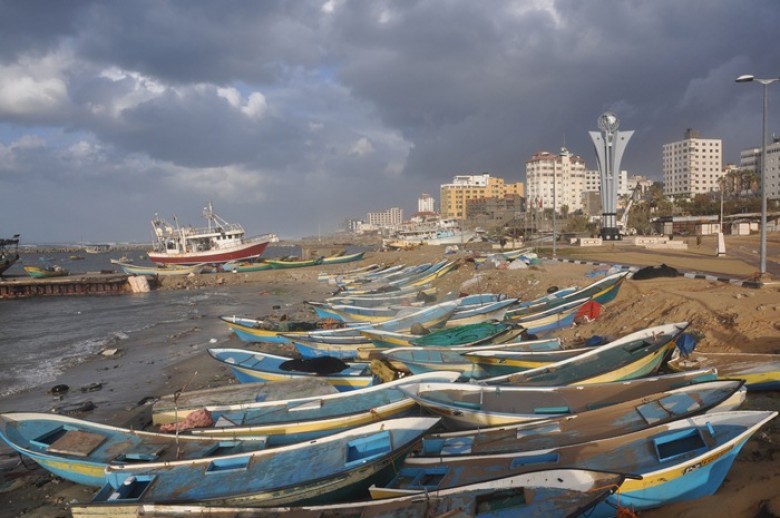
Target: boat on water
[
  {"x": 9, "y": 252},
  {"x": 219, "y": 242},
  {"x": 45, "y": 272}
]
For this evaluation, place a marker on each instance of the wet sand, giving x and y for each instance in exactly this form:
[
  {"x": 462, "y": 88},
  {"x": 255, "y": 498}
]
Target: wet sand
[{"x": 167, "y": 358}]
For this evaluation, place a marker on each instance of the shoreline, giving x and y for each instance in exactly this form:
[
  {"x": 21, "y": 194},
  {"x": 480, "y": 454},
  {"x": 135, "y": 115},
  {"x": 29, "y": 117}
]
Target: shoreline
[{"x": 157, "y": 362}]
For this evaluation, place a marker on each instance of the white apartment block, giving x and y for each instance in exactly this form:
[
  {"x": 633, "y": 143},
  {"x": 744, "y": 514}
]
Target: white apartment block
[
  {"x": 553, "y": 181},
  {"x": 426, "y": 203},
  {"x": 751, "y": 159},
  {"x": 593, "y": 182},
  {"x": 388, "y": 218},
  {"x": 692, "y": 166}
]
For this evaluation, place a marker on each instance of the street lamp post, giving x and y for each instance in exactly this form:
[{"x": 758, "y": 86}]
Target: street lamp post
[{"x": 762, "y": 246}]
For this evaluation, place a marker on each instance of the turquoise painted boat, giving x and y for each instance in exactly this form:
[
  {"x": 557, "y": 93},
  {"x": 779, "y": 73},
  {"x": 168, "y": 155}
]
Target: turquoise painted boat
[
  {"x": 337, "y": 467},
  {"x": 592, "y": 425},
  {"x": 281, "y": 264},
  {"x": 466, "y": 335},
  {"x": 426, "y": 359},
  {"x": 563, "y": 493},
  {"x": 549, "y": 317},
  {"x": 45, "y": 272},
  {"x": 246, "y": 267},
  {"x": 465, "y": 406},
  {"x": 257, "y": 330},
  {"x": 306, "y": 418},
  {"x": 173, "y": 408},
  {"x": 252, "y": 366},
  {"x": 343, "y": 258},
  {"x": 80, "y": 451},
  {"x": 601, "y": 291},
  {"x": 679, "y": 461},
  {"x": 632, "y": 356}
]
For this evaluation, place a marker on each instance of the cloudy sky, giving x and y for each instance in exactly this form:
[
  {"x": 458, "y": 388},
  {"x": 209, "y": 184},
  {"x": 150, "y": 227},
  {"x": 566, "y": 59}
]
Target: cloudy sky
[{"x": 292, "y": 116}]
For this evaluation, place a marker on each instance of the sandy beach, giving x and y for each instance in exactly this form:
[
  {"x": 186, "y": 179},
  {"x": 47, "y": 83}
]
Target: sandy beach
[{"x": 158, "y": 361}]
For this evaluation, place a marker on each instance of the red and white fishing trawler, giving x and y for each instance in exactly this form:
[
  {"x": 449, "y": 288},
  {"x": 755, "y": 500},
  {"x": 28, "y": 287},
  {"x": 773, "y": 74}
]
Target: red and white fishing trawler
[{"x": 219, "y": 242}]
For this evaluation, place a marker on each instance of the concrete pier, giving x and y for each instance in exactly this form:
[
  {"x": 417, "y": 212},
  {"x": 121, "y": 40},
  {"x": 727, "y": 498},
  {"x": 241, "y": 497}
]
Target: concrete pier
[{"x": 85, "y": 284}]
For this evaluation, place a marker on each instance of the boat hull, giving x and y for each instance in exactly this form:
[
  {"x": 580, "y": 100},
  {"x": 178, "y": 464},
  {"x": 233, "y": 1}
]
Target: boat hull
[{"x": 237, "y": 253}]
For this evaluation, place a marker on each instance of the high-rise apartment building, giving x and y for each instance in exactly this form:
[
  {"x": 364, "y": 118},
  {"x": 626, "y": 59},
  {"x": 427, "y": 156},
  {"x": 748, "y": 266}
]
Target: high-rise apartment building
[
  {"x": 468, "y": 187},
  {"x": 426, "y": 203},
  {"x": 387, "y": 218},
  {"x": 555, "y": 180},
  {"x": 751, "y": 159},
  {"x": 692, "y": 166}
]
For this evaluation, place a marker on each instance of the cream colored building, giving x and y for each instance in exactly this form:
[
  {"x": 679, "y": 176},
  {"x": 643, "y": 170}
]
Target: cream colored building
[
  {"x": 692, "y": 166},
  {"x": 470, "y": 187},
  {"x": 555, "y": 181}
]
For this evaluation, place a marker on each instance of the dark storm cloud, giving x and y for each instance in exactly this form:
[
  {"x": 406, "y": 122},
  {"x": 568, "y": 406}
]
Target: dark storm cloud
[{"x": 291, "y": 113}]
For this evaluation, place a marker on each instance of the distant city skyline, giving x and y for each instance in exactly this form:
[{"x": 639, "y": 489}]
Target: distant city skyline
[{"x": 291, "y": 116}]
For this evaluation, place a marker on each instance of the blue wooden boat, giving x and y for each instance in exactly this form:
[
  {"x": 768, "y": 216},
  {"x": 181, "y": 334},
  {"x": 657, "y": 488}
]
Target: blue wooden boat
[
  {"x": 252, "y": 366},
  {"x": 332, "y": 468},
  {"x": 465, "y": 335},
  {"x": 465, "y": 406},
  {"x": 601, "y": 291},
  {"x": 679, "y": 461},
  {"x": 468, "y": 360},
  {"x": 80, "y": 451},
  {"x": 560, "y": 493},
  {"x": 256, "y": 330},
  {"x": 424, "y": 293},
  {"x": 632, "y": 356},
  {"x": 591, "y": 425},
  {"x": 549, "y": 317},
  {"x": 305, "y": 418},
  {"x": 172, "y": 408}
]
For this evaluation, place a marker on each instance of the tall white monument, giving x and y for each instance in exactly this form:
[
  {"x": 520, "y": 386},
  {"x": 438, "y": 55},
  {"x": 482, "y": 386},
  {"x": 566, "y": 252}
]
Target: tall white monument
[{"x": 610, "y": 145}]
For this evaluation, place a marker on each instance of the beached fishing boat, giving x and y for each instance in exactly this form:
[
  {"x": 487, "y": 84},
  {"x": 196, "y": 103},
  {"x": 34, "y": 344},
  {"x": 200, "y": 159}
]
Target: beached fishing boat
[
  {"x": 424, "y": 293},
  {"x": 161, "y": 270},
  {"x": 332, "y": 468},
  {"x": 45, "y": 272},
  {"x": 465, "y": 335},
  {"x": 678, "y": 461},
  {"x": 331, "y": 277},
  {"x": 759, "y": 371},
  {"x": 549, "y": 318},
  {"x": 465, "y": 406},
  {"x": 601, "y": 291},
  {"x": 9, "y": 253},
  {"x": 80, "y": 451},
  {"x": 426, "y": 276},
  {"x": 282, "y": 264},
  {"x": 559, "y": 493},
  {"x": 591, "y": 425},
  {"x": 433, "y": 358},
  {"x": 343, "y": 258},
  {"x": 175, "y": 407},
  {"x": 246, "y": 266},
  {"x": 270, "y": 331},
  {"x": 305, "y": 418},
  {"x": 348, "y": 313},
  {"x": 632, "y": 356},
  {"x": 252, "y": 366},
  {"x": 218, "y": 242}
]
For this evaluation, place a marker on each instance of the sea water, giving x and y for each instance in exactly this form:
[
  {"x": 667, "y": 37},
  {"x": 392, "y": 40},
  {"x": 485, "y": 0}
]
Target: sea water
[{"x": 42, "y": 337}]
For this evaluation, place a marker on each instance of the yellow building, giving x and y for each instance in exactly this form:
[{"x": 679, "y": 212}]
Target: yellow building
[{"x": 469, "y": 187}]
